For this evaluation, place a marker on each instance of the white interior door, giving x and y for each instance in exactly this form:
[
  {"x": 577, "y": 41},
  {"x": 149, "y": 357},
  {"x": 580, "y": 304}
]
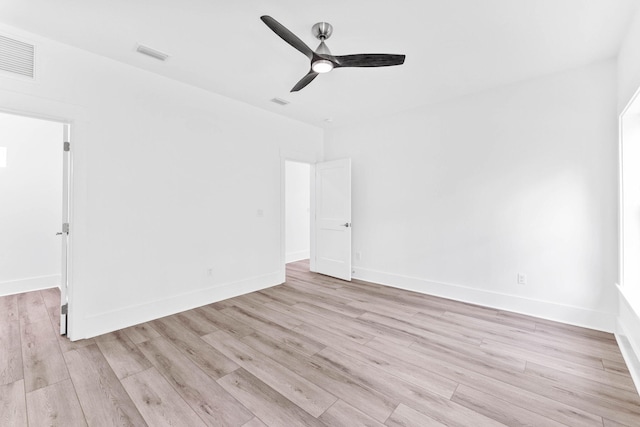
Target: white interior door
[
  {"x": 64, "y": 281},
  {"x": 333, "y": 218}
]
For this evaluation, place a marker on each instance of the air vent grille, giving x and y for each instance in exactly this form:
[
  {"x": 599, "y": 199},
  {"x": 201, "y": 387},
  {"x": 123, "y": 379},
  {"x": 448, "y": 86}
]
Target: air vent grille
[
  {"x": 279, "y": 101},
  {"x": 17, "y": 57},
  {"x": 146, "y": 50}
]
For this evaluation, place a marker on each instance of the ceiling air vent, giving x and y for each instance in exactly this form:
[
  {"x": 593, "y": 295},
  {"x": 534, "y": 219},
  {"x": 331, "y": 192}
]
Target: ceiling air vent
[
  {"x": 279, "y": 101},
  {"x": 17, "y": 57},
  {"x": 146, "y": 50}
]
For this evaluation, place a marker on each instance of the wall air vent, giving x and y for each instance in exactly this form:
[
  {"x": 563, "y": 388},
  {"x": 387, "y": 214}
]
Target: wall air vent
[
  {"x": 279, "y": 101},
  {"x": 16, "y": 57},
  {"x": 146, "y": 50}
]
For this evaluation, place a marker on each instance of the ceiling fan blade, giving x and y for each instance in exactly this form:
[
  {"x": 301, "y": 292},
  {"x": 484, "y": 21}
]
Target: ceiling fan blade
[
  {"x": 287, "y": 36},
  {"x": 368, "y": 60},
  {"x": 305, "y": 81}
]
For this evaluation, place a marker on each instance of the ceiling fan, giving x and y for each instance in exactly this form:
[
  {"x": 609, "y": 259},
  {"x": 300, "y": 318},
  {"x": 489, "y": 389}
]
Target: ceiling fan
[{"x": 322, "y": 61}]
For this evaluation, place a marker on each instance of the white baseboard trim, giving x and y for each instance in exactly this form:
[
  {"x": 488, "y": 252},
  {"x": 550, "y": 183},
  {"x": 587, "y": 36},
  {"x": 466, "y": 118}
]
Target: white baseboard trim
[
  {"x": 296, "y": 256},
  {"x": 102, "y": 323},
  {"x": 572, "y": 315},
  {"x": 29, "y": 284},
  {"x": 628, "y": 335}
]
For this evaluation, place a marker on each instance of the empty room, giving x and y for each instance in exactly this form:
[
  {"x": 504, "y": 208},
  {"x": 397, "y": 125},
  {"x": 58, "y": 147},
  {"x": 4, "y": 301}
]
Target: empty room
[{"x": 338, "y": 213}]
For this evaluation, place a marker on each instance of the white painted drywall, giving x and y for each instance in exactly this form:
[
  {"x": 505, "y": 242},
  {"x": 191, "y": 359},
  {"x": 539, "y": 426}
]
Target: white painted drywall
[
  {"x": 170, "y": 181},
  {"x": 457, "y": 199},
  {"x": 30, "y": 204},
  {"x": 297, "y": 210},
  {"x": 628, "y": 325},
  {"x": 629, "y": 63}
]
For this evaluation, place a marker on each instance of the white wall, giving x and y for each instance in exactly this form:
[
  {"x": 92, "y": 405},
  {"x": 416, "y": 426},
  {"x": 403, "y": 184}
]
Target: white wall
[
  {"x": 629, "y": 63},
  {"x": 628, "y": 325},
  {"x": 168, "y": 181},
  {"x": 297, "y": 210},
  {"x": 30, "y": 204},
  {"x": 457, "y": 199}
]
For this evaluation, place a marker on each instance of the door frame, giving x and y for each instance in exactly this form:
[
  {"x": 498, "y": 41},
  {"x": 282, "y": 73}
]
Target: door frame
[
  {"x": 300, "y": 157},
  {"x": 66, "y": 195}
]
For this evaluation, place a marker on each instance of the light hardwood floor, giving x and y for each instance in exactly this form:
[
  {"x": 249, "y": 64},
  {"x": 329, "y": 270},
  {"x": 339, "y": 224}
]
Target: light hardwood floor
[{"x": 315, "y": 351}]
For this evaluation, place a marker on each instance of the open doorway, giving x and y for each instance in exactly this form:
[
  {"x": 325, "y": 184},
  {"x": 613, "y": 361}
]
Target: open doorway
[
  {"x": 297, "y": 213},
  {"x": 34, "y": 177},
  {"x": 318, "y": 208}
]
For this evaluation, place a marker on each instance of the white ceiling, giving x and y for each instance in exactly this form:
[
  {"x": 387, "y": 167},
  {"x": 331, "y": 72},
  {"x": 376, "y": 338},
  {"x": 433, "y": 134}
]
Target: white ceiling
[{"x": 453, "y": 47}]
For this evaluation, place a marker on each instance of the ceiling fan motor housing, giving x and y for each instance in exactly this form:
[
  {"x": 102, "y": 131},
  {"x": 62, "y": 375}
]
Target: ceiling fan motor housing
[{"x": 322, "y": 30}]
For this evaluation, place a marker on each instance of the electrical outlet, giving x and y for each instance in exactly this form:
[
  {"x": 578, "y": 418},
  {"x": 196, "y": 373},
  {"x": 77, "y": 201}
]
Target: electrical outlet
[
  {"x": 522, "y": 279},
  {"x": 210, "y": 272}
]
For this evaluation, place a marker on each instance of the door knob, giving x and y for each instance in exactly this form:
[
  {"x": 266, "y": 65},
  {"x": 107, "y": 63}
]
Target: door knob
[
  {"x": 59, "y": 233},
  {"x": 346, "y": 224}
]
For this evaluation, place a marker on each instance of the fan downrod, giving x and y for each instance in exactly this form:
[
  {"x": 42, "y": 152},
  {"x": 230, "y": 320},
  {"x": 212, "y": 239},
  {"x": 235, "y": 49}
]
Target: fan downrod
[{"x": 322, "y": 30}]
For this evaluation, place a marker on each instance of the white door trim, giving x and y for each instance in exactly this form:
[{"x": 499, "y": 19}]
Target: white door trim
[{"x": 48, "y": 109}]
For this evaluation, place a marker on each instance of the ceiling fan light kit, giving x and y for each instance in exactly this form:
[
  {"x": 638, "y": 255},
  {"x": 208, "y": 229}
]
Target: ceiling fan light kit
[{"x": 322, "y": 60}]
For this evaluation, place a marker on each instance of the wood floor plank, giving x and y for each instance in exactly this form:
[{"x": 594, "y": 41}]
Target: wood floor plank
[
  {"x": 596, "y": 388},
  {"x": 9, "y": 308},
  {"x": 367, "y": 400},
  {"x": 531, "y": 351},
  {"x": 424, "y": 329},
  {"x": 196, "y": 321},
  {"x": 55, "y": 405},
  {"x": 315, "y": 350},
  {"x": 276, "y": 293},
  {"x": 356, "y": 330},
  {"x": 308, "y": 291},
  {"x": 11, "y": 369},
  {"x": 102, "y": 397},
  {"x": 472, "y": 355},
  {"x": 482, "y": 377},
  {"x": 207, "y": 398},
  {"x": 254, "y": 422},
  {"x": 404, "y": 416},
  {"x": 609, "y": 423},
  {"x": 158, "y": 402},
  {"x": 347, "y": 331},
  {"x": 51, "y": 297},
  {"x": 13, "y": 408},
  {"x": 223, "y": 322},
  {"x": 207, "y": 358},
  {"x": 329, "y": 301},
  {"x": 500, "y": 410},
  {"x": 245, "y": 303},
  {"x": 123, "y": 356},
  {"x": 341, "y": 414},
  {"x": 67, "y": 345},
  {"x": 563, "y": 330},
  {"x": 438, "y": 407},
  {"x": 269, "y": 405},
  {"x": 288, "y": 336},
  {"x": 141, "y": 333},
  {"x": 31, "y": 308},
  {"x": 396, "y": 367},
  {"x": 615, "y": 366},
  {"x": 612, "y": 379},
  {"x": 42, "y": 358},
  {"x": 297, "y": 389}
]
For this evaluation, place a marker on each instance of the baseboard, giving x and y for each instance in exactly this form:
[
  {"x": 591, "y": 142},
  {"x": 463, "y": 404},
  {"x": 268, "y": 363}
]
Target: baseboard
[
  {"x": 102, "y": 323},
  {"x": 29, "y": 284},
  {"x": 296, "y": 256},
  {"x": 572, "y": 315},
  {"x": 628, "y": 335}
]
